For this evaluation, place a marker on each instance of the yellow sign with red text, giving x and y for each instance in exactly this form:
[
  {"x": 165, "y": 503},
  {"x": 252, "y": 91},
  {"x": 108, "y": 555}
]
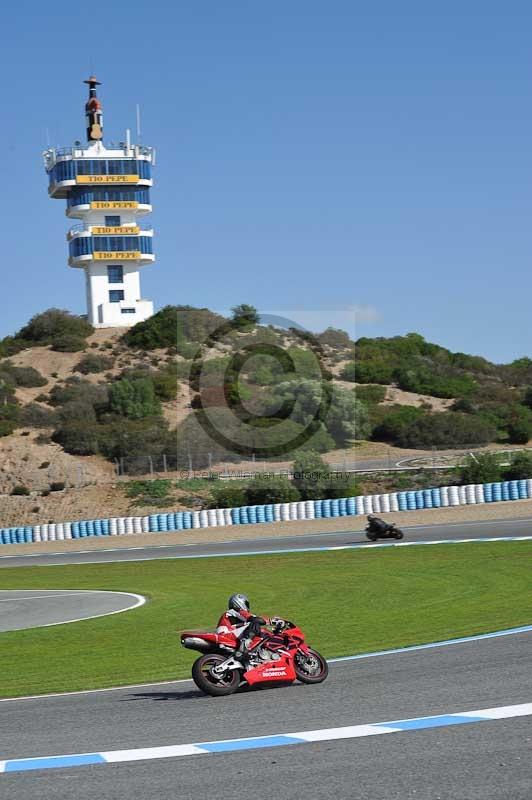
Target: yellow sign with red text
[
  {"x": 107, "y": 178},
  {"x": 132, "y": 230},
  {"x": 107, "y": 204},
  {"x": 120, "y": 255}
]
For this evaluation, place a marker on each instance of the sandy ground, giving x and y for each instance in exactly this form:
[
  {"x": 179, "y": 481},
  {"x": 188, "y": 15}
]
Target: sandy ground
[{"x": 518, "y": 509}]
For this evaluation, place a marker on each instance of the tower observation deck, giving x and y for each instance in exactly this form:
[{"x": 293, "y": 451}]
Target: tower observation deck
[{"x": 107, "y": 188}]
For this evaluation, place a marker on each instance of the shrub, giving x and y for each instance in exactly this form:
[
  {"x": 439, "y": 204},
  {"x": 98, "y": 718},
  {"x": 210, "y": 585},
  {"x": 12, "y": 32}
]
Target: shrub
[
  {"x": 244, "y": 317},
  {"x": 68, "y": 343},
  {"x": 35, "y": 416},
  {"x": 93, "y": 363},
  {"x": 78, "y": 437},
  {"x": 264, "y": 489},
  {"x": 28, "y": 377},
  {"x": 481, "y": 468},
  {"x": 445, "y": 430},
  {"x": 427, "y": 381},
  {"x": 229, "y": 494},
  {"x": 20, "y": 491},
  {"x": 335, "y": 337},
  {"x": 310, "y": 475},
  {"x": 173, "y": 326},
  {"x": 520, "y": 467},
  {"x": 45, "y": 327},
  {"x": 394, "y": 420},
  {"x": 371, "y": 394},
  {"x": 134, "y": 399},
  {"x": 6, "y": 427},
  {"x": 149, "y": 492},
  {"x": 57, "y": 486},
  {"x": 519, "y": 431}
]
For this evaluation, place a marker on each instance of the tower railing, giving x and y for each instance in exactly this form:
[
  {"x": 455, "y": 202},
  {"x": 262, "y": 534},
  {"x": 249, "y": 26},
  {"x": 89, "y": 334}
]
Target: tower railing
[{"x": 87, "y": 227}]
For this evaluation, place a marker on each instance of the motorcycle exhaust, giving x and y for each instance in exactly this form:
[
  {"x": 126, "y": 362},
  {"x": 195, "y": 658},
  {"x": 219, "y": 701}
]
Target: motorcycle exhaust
[{"x": 195, "y": 643}]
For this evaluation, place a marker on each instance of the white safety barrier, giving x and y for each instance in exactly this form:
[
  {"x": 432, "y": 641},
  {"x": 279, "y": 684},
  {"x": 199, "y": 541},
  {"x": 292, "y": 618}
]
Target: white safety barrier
[{"x": 385, "y": 503}]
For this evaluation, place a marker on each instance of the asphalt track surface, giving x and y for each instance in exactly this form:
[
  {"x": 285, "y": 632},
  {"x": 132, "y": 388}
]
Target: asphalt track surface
[
  {"x": 487, "y": 760},
  {"x": 426, "y": 533},
  {"x": 37, "y": 608}
]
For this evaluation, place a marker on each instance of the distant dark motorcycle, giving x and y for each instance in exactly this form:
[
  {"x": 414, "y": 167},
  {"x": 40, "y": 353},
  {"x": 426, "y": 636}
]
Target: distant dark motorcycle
[{"x": 378, "y": 529}]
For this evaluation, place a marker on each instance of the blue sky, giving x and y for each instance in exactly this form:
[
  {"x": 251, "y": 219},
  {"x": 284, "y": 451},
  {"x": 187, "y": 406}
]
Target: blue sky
[{"x": 313, "y": 158}]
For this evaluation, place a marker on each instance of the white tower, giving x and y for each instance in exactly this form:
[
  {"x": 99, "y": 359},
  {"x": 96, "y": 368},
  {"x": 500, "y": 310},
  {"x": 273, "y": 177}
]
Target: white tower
[{"x": 108, "y": 189}]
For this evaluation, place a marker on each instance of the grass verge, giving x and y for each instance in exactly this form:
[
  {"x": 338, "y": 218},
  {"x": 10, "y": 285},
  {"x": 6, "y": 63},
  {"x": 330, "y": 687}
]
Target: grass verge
[{"x": 346, "y": 601}]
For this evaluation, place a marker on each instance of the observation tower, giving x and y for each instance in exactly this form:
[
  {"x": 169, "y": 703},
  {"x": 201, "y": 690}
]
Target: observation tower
[{"x": 107, "y": 187}]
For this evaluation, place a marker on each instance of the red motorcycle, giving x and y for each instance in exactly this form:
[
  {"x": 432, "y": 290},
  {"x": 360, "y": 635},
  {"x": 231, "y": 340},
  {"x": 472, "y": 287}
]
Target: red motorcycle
[{"x": 279, "y": 655}]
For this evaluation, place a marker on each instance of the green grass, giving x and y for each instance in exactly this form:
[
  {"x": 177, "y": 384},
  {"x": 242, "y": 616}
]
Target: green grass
[{"x": 347, "y": 602}]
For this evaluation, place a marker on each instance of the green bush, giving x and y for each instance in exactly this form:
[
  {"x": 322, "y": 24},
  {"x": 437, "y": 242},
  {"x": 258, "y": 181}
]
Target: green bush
[
  {"x": 78, "y": 437},
  {"x": 229, "y": 494},
  {"x": 35, "y": 416},
  {"x": 371, "y": 394},
  {"x": 149, "y": 492},
  {"x": 27, "y": 377},
  {"x": 481, "y": 468},
  {"x": 93, "y": 363},
  {"x": 394, "y": 420},
  {"x": 20, "y": 491},
  {"x": 310, "y": 476},
  {"x": 172, "y": 326},
  {"x": 44, "y": 328},
  {"x": 520, "y": 467},
  {"x": 336, "y": 338},
  {"x": 264, "y": 489},
  {"x": 427, "y": 381},
  {"x": 244, "y": 317},
  {"x": 57, "y": 486},
  {"x": 134, "y": 399},
  {"x": 6, "y": 427},
  {"x": 446, "y": 430},
  {"x": 68, "y": 343}
]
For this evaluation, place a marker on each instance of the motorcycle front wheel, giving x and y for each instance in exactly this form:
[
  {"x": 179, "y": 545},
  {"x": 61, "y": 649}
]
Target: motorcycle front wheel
[
  {"x": 210, "y": 684},
  {"x": 310, "y": 667},
  {"x": 398, "y": 534}
]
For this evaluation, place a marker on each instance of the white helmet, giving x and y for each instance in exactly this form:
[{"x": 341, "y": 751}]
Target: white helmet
[{"x": 239, "y": 602}]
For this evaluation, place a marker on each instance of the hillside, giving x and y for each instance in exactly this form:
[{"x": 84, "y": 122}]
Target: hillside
[{"x": 190, "y": 389}]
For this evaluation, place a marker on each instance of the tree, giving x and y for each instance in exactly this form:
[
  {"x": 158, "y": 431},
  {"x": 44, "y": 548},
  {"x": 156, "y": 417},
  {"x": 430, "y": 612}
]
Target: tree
[
  {"x": 134, "y": 399},
  {"x": 174, "y": 326},
  {"x": 311, "y": 475},
  {"x": 244, "y": 317}
]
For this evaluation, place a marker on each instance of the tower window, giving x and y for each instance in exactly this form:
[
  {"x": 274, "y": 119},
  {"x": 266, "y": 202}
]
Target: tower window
[
  {"x": 116, "y": 296},
  {"x": 115, "y": 273},
  {"x": 127, "y": 310},
  {"x": 112, "y": 222}
]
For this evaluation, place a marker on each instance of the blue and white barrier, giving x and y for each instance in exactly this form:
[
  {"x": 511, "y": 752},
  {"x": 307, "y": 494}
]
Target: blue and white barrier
[{"x": 441, "y": 497}]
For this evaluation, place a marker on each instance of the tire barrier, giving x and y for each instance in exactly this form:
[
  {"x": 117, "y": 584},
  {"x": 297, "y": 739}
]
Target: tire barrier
[{"x": 441, "y": 497}]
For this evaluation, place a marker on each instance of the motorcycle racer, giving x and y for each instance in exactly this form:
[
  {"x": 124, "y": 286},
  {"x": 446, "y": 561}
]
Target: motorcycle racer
[{"x": 236, "y": 621}]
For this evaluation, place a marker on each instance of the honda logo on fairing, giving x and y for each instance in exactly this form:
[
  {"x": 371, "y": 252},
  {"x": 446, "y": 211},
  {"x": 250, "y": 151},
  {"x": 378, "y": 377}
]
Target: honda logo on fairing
[{"x": 269, "y": 672}]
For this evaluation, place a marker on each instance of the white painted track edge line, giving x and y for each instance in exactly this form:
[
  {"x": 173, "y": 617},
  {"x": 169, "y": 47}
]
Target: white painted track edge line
[
  {"x": 140, "y": 600},
  {"x": 291, "y": 550},
  {"x": 377, "y": 654}
]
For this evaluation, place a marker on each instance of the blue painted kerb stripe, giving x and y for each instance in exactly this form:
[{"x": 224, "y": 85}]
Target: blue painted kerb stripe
[
  {"x": 249, "y": 744},
  {"x": 54, "y": 762},
  {"x": 429, "y": 722}
]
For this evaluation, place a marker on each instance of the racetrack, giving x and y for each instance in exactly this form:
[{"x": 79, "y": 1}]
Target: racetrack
[
  {"x": 39, "y": 608},
  {"x": 484, "y": 760},
  {"x": 488, "y": 759},
  {"x": 121, "y": 552}
]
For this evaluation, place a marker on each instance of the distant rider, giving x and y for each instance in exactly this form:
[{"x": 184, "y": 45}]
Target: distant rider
[
  {"x": 237, "y": 619},
  {"x": 376, "y": 524}
]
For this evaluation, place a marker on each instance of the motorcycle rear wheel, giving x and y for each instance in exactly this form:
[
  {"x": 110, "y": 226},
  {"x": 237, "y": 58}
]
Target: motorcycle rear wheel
[
  {"x": 204, "y": 680},
  {"x": 311, "y": 668},
  {"x": 372, "y": 536}
]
